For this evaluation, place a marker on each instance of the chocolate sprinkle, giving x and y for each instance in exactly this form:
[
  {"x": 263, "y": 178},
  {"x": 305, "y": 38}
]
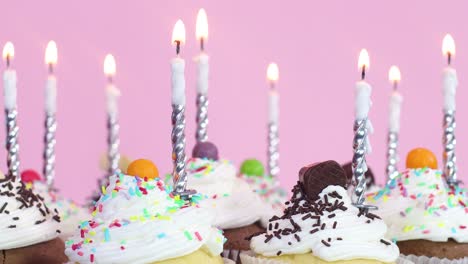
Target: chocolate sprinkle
[
  {"x": 40, "y": 222},
  {"x": 278, "y": 253},
  {"x": 325, "y": 243},
  {"x": 3, "y": 207},
  {"x": 385, "y": 242},
  {"x": 297, "y": 238},
  {"x": 334, "y": 224},
  {"x": 314, "y": 230}
]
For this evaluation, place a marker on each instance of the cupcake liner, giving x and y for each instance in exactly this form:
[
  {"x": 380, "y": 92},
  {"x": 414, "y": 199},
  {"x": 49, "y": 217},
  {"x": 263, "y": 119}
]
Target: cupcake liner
[
  {"x": 248, "y": 257},
  {"x": 434, "y": 260},
  {"x": 232, "y": 254}
]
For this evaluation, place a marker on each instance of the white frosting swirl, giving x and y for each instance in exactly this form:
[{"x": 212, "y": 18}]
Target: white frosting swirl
[
  {"x": 272, "y": 194},
  {"x": 417, "y": 204},
  {"x": 71, "y": 214},
  {"x": 235, "y": 203},
  {"x": 341, "y": 233},
  {"x": 24, "y": 219},
  {"x": 138, "y": 221}
]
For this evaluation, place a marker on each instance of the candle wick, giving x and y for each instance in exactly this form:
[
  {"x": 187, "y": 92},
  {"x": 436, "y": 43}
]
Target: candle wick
[
  {"x": 7, "y": 61},
  {"x": 363, "y": 72},
  {"x": 202, "y": 44},
  {"x": 110, "y": 78},
  {"x": 272, "y": 85},
  {"x": 177, "y": 46},
  {"x": 51, "y": 68},
  {"x": 449, "y": 58},
  {"x": 395, "y": 85}
]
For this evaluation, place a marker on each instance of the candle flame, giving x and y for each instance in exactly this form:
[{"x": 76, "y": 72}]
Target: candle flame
[
  {"x": 448, "y": 45},
  {"x": 394, "y": 75},
  {"x": 363, "y": 62},
  {"x": 178, "y": 34},
  {"x": 273, "y": 72},
  {"x": 51, "y": 53},
  {"x": 109, "y": 65},
  {"x": 8, "y": 51},
  {"x": 202, "y": 25}
]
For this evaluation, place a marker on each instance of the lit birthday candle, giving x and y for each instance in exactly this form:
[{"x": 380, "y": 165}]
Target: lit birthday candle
[
  {"x": 202, "y": 78},
  {"x": 112, "y": 96},
  {"x": 450, "y": 83},
  {"x": 394, "y": 77},
  {"x": 362, "y": 127},
  {"x": 9, "y": 91},
  {"x": 273, "y": 124},
  {"x": 178, "y": 114},
  {"x": 50, "y": 117}
]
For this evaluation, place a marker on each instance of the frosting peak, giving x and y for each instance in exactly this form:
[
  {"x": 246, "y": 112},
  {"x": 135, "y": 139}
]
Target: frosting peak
[
  {"x": 417, "y": 204},
  {"x": 329, "y": 227}
]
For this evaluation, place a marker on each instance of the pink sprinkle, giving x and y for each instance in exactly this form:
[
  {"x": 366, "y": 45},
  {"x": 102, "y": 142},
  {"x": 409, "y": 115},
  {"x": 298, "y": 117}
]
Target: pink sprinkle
[
  {"x": 200, "y": 169},
  {"x": 122, "y": 247},
  {"x": 426, "y": 231},
  {"x": 143, "y": 190},
  {"x": 215, "y": 196},
  {"x": 466, "y": 210},
  {"x": 462, "y": 227},
  {"x": 430, "y": 202},
  {"x": 82, "y": 233},
  {"x": 198, "y": 236},
  {"x": 413, "y": 197},
  {"x": 100, "y": 207},
  {"x": 461, "y": 203},
  {"x": 91, "y": 257},
  {"x": 80, "y": 253}
]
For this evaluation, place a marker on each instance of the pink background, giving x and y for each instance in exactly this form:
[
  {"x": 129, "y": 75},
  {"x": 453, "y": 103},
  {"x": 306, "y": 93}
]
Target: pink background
[{"x": 315, "y": 43}]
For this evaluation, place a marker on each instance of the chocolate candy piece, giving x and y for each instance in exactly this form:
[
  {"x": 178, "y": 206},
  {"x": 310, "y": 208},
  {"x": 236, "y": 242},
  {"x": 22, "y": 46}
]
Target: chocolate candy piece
[
  {"x": 318, "y": 176},
  {"x": 205, "y": 150},
  {"x": 252, "y": 167},
  {"x": 349, "y": 174}
]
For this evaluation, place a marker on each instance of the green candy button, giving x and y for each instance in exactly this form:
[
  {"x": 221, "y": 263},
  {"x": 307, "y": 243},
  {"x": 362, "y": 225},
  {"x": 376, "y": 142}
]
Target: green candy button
[{"x": 252, "y": 167}]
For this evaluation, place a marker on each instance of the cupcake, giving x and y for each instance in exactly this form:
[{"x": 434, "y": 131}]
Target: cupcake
[
  {"x": 425, "y": 217},
  {"x": 71, "y": 214},
  {"x": 30, "y": 228},
  {"x": 138, "y": 220},
  {"x": 252, "y": 171},
  {"x": 320, "y": 225},
  {"x": 239, "y": 210}
]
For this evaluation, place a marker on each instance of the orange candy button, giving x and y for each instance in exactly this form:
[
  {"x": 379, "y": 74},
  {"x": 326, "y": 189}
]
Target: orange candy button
[
  {"x": 419, "y": 158},
  {"x": 143, "y": 168}
]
